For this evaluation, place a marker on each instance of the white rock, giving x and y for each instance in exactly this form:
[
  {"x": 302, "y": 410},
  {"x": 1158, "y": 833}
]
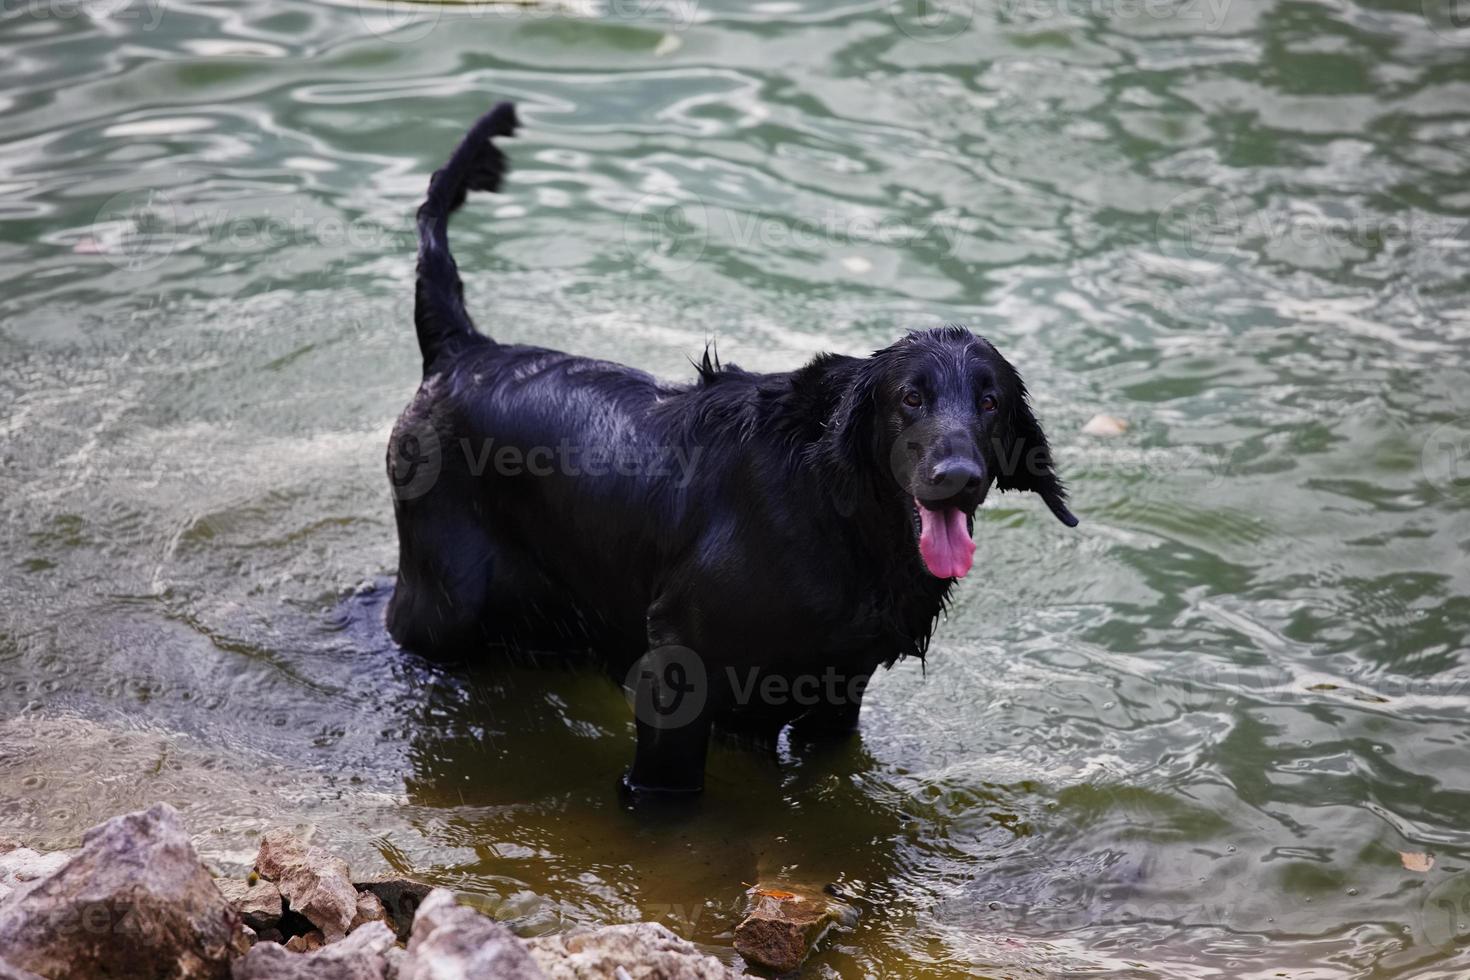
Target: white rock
[
  {"x": 316, "y": 883},
  {"x": 642, "y": 951},
  {"x": 452, "y": 942},
  {"x": 361, "y": 956},
  {"x": 20, "y": 866},
  {"x": 1105, "y": 426}
]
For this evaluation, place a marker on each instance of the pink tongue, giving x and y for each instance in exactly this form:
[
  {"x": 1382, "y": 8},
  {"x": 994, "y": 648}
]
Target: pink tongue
[{"x": 945, "y": 543}]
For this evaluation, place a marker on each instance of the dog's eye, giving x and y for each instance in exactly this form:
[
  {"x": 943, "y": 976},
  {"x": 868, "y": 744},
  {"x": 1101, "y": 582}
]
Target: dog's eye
[
  {"x": 912, "y": 399},
  {"x": 987, "y": 403}
]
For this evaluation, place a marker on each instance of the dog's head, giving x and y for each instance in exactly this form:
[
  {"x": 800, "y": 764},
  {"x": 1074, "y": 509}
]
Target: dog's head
[{"x": 943, "y": 417}]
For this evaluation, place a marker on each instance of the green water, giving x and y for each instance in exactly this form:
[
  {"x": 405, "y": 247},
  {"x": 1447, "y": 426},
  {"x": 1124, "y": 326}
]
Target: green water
[{"x": 1189, "y": 739}]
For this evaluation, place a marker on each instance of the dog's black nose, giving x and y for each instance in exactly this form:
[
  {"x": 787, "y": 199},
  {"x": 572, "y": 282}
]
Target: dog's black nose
[{"x": 956, "y": 475}]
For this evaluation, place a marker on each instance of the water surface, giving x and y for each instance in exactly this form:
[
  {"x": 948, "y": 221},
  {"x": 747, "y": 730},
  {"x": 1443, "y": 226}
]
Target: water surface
[{"x": 1191, "y": 738}]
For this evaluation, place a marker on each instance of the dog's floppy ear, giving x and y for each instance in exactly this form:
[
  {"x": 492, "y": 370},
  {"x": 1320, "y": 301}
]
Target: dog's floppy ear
[
  {"x": 846, "y": 449},
  {"x": 1025, "y": 459}
]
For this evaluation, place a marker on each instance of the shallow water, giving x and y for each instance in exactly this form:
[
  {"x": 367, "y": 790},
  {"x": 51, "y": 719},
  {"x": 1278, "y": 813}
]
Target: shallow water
[{"x": 1189, "y": 739}]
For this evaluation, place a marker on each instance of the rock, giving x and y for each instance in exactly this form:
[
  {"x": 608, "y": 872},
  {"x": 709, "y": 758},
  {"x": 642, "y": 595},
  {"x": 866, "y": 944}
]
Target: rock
[
  {"x": 258, "y": 904},
  {"x": 361, "y": 956},
  {"x": 401, "y": 898},
  {"x": 306, "y": 942},
  {"x": 134, "y": 902},
  {"x": 369, "y": 909},
  {"x": 782, "y": 926},
  {"x": 452, "y": 942},
  {"x": 317, "y": 884},
  {"x": 644, "y": 951},
  {"x": 1105, "y": 426},
  {"x": 8, "y": 972},
  {"x": 20, "y": 866}
]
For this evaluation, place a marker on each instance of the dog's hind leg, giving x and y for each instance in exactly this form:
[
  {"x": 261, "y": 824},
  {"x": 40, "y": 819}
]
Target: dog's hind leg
[
  {"x": 463, "y": 588},
  {"x": 448, "y": 565}
]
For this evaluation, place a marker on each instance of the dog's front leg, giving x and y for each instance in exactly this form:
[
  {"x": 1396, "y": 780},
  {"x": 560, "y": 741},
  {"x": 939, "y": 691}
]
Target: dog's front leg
[
  {"x": 669, "y": 760},
  {"x": 673, "y": 708},
  {"x": 836, "y": 714}
]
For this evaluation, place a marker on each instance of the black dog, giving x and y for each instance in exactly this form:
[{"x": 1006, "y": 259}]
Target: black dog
[{"x": 771, "y": 538}]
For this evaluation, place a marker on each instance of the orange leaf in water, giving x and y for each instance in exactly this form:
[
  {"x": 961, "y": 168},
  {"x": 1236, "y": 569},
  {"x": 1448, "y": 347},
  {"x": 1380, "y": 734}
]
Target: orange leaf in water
[
  {"x": 1417, "y": 862},
  {"x": 777, "y": 894}
]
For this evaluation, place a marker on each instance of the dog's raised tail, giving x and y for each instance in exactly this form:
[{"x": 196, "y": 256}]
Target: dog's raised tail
[{"x": 476, "y": 165}]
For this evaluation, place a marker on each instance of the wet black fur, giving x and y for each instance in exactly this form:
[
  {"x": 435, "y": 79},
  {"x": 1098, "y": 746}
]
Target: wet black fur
[{"x": 791, "y": 549}]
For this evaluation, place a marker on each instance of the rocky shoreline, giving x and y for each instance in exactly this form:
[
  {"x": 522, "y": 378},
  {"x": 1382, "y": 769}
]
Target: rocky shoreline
[{"x": 135, "y": 901}]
